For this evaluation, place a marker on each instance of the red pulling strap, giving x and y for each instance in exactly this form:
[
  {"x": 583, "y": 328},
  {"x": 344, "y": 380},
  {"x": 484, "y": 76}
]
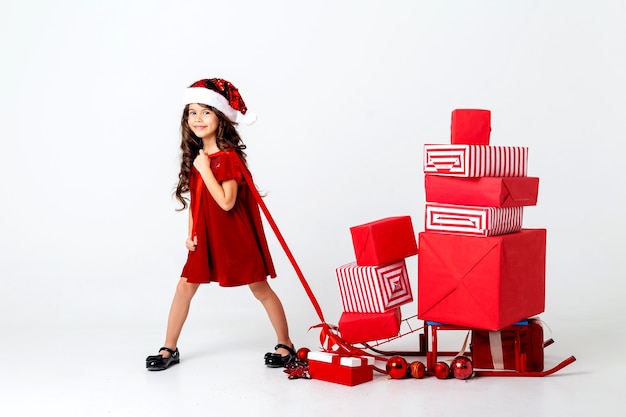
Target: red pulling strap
[
  {"x": 195, "y": 205},
  {"x": 328, "y": 334},
  {"x": 280, "y": 238}
]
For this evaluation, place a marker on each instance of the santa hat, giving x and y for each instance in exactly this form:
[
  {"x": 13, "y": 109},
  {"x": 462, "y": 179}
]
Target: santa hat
[{"x": 221, "y": 95}]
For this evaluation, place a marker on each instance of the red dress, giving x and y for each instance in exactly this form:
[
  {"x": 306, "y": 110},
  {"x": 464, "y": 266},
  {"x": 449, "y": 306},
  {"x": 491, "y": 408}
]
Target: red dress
[{"x": 232, "y": 249}]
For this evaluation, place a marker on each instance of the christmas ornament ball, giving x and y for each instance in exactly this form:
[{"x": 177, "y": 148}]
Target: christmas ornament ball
[
  {"x": 417, "y": 369},
  {"x": 303, "y": 353},
  {"x": 397, "y": 367},
  {"x": 441, "y": 370},
  {"x": 462, "y": 367}
]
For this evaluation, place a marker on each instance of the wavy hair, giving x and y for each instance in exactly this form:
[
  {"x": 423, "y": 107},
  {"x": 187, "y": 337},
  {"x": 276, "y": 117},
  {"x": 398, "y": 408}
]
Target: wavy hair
[{"x": 228, "y": 139}]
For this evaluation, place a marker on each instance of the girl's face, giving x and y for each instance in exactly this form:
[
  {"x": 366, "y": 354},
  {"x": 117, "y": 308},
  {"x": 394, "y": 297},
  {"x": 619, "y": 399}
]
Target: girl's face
[{"x": 202, "y": 121}]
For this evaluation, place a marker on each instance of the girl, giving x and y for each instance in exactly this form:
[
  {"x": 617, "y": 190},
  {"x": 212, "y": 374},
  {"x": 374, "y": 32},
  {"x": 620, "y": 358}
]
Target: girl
[{"x": 226, "y": 241}]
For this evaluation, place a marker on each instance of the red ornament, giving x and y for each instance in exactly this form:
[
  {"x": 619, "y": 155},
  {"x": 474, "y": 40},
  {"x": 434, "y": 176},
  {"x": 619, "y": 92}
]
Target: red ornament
[
  {"x": 462, "y": 367},
  {"x": 441, "y": 370},
  {"x": 303, "y": 353},
  {"x": 397, "y": 367},
  {"x": 417, "y": 369}
]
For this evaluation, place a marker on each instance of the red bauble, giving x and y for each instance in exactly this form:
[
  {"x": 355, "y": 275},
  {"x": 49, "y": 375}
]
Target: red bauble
[
  {"x": 303, "y": 353},
  {"x": 397, "y": 367},
  {"x": 417, "y": 369},
  {"x": 462, "y": 367},
  {"x": 441, "y": 370}
]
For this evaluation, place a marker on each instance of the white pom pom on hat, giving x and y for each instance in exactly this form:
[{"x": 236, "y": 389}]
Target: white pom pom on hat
[
  {"x": 222, "y": 95},
  {"x": 249, "y": 118}
]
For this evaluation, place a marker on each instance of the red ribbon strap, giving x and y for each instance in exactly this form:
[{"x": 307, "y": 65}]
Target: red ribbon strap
[
  {"x": 279, "y": 236},
  {"x": 195, "y": 205},
  {"x": 329, "y": 338}
]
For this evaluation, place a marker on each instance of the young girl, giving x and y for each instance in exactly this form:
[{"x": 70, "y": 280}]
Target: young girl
[{"x": 226, "y": 241}]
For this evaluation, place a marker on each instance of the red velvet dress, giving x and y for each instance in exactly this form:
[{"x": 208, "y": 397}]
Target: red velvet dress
[{"x": 232, "y": 249}]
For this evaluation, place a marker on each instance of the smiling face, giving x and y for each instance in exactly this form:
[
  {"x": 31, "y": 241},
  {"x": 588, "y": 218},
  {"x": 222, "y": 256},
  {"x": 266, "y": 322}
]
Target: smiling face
[{"x": 202, "y": 121}]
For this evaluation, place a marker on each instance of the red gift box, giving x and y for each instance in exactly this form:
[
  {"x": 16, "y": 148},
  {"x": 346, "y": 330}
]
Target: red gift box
[
  {"x": 482, "y": 191},
  {"x": 345, "y": 370},
  {"x": 384, "y": 241},
  {"x": 373, "y": 289},
  {"x": 459, "y": 160},
  {"x": 472, "y": 126},
  {"x": 365, "y": 327},
  {"x": 481, "y": 282},
  {"x": 496, "y": 350},
  {"x": 472, "y": 220}
]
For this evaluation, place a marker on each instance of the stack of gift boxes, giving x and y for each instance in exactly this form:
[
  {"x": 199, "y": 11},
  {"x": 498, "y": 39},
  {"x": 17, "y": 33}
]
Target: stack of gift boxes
[
  {"x": 478, "y": 268},
  {"x": 372, "y": 288}
]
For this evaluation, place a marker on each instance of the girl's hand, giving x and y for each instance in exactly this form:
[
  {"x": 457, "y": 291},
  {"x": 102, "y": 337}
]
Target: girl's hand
[
  {"x": 191, "y": 243},
  {"x": 202, "y": 162}
]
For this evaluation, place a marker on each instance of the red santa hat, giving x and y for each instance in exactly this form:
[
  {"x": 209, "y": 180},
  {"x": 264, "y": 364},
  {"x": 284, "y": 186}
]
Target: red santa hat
[{"x": 219, "y": 94}]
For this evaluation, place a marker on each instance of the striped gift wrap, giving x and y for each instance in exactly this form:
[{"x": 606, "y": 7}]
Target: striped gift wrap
[
  {"x": 472, "y": 220},
  {"x": 373, "y": 289},
  {"x": 462, "y": 160}
]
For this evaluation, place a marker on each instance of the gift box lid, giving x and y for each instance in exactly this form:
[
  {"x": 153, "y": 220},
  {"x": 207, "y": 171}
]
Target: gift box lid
[{"x": 350, "y": 361}]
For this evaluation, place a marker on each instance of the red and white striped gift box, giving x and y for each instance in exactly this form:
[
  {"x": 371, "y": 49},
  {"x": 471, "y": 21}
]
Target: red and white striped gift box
[
  {"x": 462, "y": 160},
  {"x": 472, "y": 220},
  {"x": 373, "y": 289}
]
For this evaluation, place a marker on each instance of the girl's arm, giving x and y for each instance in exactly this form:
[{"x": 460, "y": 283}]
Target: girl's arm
[
  {"x": 225, "y": 193},
  {"x": 190, "y": 224},
  {"x": 192, "y": 241}
]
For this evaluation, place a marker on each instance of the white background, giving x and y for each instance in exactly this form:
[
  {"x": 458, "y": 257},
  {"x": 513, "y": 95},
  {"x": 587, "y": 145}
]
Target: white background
[{"x": 347, "y": 94}]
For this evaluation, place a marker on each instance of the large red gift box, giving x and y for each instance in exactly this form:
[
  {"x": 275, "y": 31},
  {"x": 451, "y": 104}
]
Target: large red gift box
[
  {"x": 496, "y": 349},
  {"x": 481, "y": 282},
  {"x": 383, "y": 241},
  {"x": 461, "y": 160},
  {"x": 345, "y": 370},
  {"x": 471, "y": 126},
  {"x": 365, "y": 327},
  {"x": 482, "y": 191},
  {"x": 472, "y": 220},
  {"x": 373, "y": 289}
]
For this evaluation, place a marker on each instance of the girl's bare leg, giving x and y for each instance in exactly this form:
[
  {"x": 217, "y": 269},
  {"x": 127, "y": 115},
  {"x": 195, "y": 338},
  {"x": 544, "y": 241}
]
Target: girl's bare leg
[
  {"x": 178, "y": 313},
  {"x": 274, "y": 308}
]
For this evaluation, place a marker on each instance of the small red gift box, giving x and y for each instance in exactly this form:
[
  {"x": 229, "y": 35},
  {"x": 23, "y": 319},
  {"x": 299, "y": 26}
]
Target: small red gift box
[
  {"x": 472, "y": 126},
  {"x": 484, "y": 283},
  {"x": 374, "y": 289},
  {"x": 472, "y": 220},
  {"x": 345, "y": 370},
  {"x": 459, "y": 160},
  {"x": 384, "y": 241},
  {"x": 365, "y": 327},
  {"x": 482, "y": 191},
  {"x": 496, "y": 350}
]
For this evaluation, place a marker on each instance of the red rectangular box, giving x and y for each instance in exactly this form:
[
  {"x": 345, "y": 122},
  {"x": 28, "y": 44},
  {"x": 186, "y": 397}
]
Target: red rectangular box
[
  {"x": 384, "y": 241},
  {"x": 343, "y": 370},
  {"x": 366, "y": 327},
  {"x": 374, "y": 289},
  {"x": 461, "y": 160},
  {"x": 472, "y": 220},
  {"x": 481, "y": 282},
  {"x": 496, "y": 350},
  {"x": 482, "y": 191},
  {"x": 472, "y": 126}
]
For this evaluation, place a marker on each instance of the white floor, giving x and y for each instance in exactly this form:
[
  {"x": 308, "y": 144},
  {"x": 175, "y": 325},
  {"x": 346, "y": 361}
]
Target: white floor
[{"x": 97, "y": 369}]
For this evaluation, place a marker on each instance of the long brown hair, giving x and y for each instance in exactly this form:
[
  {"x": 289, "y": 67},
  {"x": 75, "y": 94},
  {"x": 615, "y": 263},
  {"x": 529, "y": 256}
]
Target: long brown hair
[{"x": 227, "y": 139}]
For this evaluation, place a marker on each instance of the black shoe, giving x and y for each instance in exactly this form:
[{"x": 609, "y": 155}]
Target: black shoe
[
  {"x": 159, "y": 363},
  {"x": 276, "y": 360}
]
